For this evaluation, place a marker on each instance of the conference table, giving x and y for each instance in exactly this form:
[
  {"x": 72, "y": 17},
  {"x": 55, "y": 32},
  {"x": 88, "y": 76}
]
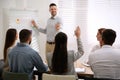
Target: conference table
[{"x": 86, "y": 71}]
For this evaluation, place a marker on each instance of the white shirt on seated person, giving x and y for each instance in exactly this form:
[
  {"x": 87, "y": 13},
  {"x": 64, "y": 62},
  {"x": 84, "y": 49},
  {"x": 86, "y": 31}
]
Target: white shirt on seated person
[{"x": 105, "y": 62}]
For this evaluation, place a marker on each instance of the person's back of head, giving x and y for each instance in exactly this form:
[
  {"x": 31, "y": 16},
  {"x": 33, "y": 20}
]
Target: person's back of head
[
  {"x": 11, "y": 36},
  {"x": 59, "y": 59},
  {"x": 25, "y": 36},
  {"x": 108, "y": 36},
  {"x": 61, "y": 38}
]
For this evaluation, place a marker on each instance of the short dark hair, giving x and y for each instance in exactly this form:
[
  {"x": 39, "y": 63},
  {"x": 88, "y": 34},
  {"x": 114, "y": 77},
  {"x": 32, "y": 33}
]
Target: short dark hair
[
  {"x": 108, "y": 36},
  {"x": 24, "y": 35},
  {"x": 52, "y": 4}
]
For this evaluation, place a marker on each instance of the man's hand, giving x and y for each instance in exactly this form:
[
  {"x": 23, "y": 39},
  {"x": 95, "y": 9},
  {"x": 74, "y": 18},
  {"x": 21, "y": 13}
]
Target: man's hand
[
  {"x": 57, "y": 26},
  {"x": 34, "y": 24},
  {"x": 77, "y": 32}
]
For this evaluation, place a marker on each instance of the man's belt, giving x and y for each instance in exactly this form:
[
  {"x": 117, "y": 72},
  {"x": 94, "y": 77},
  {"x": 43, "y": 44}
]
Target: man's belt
[{"x": 50, "y": 42}]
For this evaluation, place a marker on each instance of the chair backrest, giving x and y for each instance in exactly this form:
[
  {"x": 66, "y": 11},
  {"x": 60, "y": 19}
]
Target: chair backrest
[
  {"x": 92, "y": 78},
  {"x": 15, "y": 76},
  {"x": 1, "y": 66},
  {"x": 58, "y": 77}
]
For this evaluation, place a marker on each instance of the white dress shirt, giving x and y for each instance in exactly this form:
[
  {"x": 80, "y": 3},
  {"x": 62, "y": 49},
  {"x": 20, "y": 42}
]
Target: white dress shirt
[
  {"x": 96, "y": 47},
  {"x": 105, "y": 62}
]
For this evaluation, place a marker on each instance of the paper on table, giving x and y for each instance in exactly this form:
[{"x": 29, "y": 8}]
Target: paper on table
[
  {"x": 79, "y": 69},
  {"x": 34, "y": 68},
  {"x": 85, "y": 64}
]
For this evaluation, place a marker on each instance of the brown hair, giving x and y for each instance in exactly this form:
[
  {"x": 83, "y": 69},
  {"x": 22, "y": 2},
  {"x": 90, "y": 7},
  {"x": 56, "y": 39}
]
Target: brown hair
[
  {"x": 101, "y": 30},
  {"x": 9, "y": 40}
]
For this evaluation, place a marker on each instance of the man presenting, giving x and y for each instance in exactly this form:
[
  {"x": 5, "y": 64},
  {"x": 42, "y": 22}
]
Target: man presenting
[{"x": 53, "y": 27}]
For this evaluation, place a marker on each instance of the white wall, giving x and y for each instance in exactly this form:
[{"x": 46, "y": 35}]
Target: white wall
[
  {"x": 103, "y": 13},
  {"x": 43, "y": 13}
]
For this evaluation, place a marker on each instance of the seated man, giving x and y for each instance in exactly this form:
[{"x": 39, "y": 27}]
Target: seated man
[
  {"x": 105, "y": 62},
  {"x": 22, "y": 58}
]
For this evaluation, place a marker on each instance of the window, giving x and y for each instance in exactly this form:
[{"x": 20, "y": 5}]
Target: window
[
  {"x": 73, "y": 13},
  {"x": 103, "y": 13},
  {"x": 90, "y": 15}
]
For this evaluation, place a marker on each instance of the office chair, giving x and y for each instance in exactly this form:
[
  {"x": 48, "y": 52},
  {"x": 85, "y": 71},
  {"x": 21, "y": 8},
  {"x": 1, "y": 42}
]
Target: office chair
[
  {"x": 58, "y": 77},
  {"x": 15, "y": 76},
  {"x": 1, "y": 68},
  {"x": 91, "y": 78}
]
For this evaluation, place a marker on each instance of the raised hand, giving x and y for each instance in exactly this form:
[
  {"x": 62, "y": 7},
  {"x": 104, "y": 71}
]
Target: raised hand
[
  {"x": 34, "y": 24},
  {"x": 57, "y": 26},
  {"x": 77, "y": 32}
]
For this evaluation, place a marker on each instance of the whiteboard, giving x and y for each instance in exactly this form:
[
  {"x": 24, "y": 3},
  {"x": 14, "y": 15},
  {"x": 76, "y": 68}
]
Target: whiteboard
[{"x": 21, "y": 19}]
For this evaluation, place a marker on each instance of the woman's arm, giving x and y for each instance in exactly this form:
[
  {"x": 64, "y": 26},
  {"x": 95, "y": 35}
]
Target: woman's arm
[{"x": 80, "y": 51}]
